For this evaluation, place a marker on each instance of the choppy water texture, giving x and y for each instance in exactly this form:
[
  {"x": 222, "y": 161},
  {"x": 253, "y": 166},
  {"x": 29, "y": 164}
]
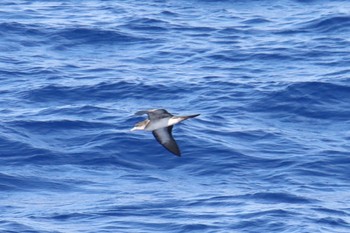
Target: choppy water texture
[{"x": 269, "y": 153}]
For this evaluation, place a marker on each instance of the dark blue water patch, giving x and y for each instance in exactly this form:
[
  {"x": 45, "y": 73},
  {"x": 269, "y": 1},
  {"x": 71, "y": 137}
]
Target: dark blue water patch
[
  {"x": 271, "y": 225},
  {"x": 111, "y": 161},
  {"x": 310, "y": 99},
  {"x": 230, "y": 162},
  {"x": 24, "y": 72},
  {"x": 262, "y": 54},
  {"x": 267, "y": 197},
  {"x": 167, "y": 210},
  {"x": 138, "y": 210},
  {"x": 62, "y": 142},
  {"x": 334, "y": 219},
  {"x": 30, "y": 35},
  {"x": 332, "y": 212},
  {"x": 27, "y": 183},
  {"x": 199, "y": 227},
  {"x": 26, "y": 131},
  {"x": 70, "y": 217},
  {"x": 5, "y": 187},
  {"x": 148, "y": 24},
  {"x": 223, "y": 89},
  {"x": 168, "y": 13},
  {"x": 101, "y": 151},
  {"x": 230, "y": 31},
  {"x": 271, "y": 213},
  {"x": 45, "y": 127},
  {"x": 341, "y": 73},
  {"x": 101, "y": 92},
  {"x": 98, "y": 36},
  {"x": 196, "y": 29},
  {"x": 216, "y": 202},
  {"x": 14, "y": 151},
  {"x": 25, "y": 36},
  {"x": 20, "y": 29},
  {"x": 330, "y": 164},
  {"x": 274, "y": 55},
  {"x": 334, "y": 222},
  {"x": 17, "y": 153},
  {"x": 228, "y": 58},
  {"x": 332, "y": 24},
  {"x": 19, "y": 227},
  {"x": 81, "y": 110},
  {"x": 329, "y": 24},
  {"x": 256, "y": 20},
  {"x": 29, "y": 145}
]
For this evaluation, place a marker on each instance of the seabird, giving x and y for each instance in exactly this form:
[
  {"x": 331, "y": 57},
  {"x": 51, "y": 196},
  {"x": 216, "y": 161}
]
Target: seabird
[{"x": 161, "y": 123}]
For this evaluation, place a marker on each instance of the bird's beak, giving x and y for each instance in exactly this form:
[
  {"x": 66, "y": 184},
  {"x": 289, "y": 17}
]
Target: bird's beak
[{"x": 133, "y": 129}]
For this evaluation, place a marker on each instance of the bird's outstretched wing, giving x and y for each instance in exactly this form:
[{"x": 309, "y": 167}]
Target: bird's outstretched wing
[
  {"x": 138, "y": 113},
  {"x": 165, "y": 137},
  {"x": 155, "y": 114}
]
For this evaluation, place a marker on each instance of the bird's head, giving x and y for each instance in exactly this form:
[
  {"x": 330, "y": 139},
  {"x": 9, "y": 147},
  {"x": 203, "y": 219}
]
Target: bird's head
[{"x": 140, "y": 126}]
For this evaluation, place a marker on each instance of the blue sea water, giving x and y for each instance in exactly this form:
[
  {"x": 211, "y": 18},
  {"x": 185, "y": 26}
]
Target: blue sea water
[{"x": 269, "y": 152}]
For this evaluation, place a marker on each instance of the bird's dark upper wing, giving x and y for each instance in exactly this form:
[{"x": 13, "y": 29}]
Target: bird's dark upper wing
[
  {"x": 164, "y": 137},
  {"x": 155, "y": 114},
  {"x": 158, "y": 114},
  {"x": 141, "y": 112}
]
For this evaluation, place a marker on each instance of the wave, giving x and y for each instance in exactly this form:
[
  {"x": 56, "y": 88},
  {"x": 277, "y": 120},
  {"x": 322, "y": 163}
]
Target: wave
[
  {"x": 97, "y": 36},
  {"x": 23, "y": 29},
  {"x": 326, "y": 24},
  {"x": 279, "y": 198},
  {"x": 15, "y": 226},
  {"x": 148, "y": 24},
  {"x": 311, "y": 99},
  {"x": 329, "y": 24},
  {"x": 27, "y": 183},
  {"x": 59, "y": 142},
  {"x": 101, "y": 91},
  {"x": 60, "y": 38}
]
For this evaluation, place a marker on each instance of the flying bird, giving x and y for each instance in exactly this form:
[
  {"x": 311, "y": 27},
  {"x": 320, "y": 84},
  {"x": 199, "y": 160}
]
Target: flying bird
[{"x": 161, "y": 123}]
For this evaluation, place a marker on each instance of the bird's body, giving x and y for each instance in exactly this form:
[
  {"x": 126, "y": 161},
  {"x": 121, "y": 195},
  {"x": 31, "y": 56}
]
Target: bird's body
[{"x": 161, "y": 123}]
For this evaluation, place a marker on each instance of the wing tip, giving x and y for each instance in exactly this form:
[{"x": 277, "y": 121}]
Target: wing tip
[
  {"x": 177, "y": 154},
  {"x": 191, "y": 116},
  {"x": 175, "y": 151}
]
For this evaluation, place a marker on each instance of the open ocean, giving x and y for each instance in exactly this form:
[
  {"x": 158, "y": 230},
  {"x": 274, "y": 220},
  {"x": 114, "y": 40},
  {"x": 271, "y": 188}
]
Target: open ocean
[{"x": 270, "y": 151}]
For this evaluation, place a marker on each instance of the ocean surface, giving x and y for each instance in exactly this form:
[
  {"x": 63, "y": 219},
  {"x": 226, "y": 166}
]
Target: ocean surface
[{"x": 270, "y": 151}]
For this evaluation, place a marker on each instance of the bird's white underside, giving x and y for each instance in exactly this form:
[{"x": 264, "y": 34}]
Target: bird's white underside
[{"x": 162, "y": 123}]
